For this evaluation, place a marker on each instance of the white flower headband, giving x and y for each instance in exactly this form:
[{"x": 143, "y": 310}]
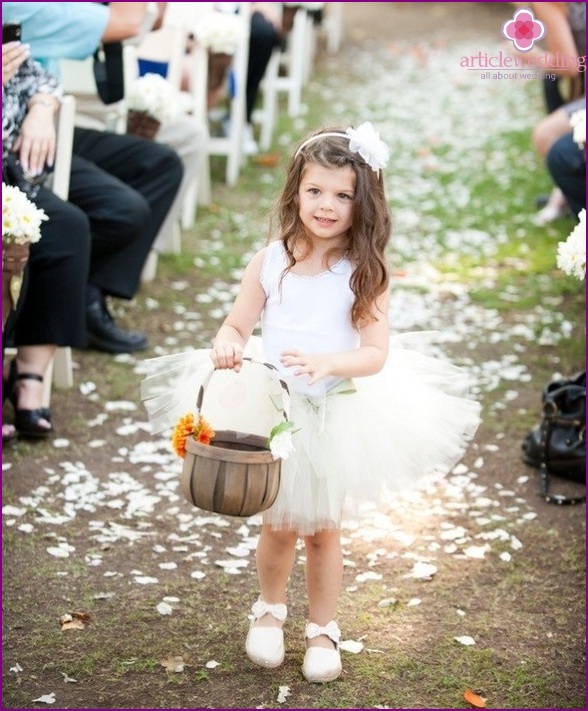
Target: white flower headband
[{"x": 364, "y": 140}]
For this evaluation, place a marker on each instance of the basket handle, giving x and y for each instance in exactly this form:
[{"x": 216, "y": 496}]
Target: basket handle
[{"x": 285, "y": 391}]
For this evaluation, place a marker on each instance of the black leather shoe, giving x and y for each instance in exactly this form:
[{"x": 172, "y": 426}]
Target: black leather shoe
[{"x": 105, "y": 335}]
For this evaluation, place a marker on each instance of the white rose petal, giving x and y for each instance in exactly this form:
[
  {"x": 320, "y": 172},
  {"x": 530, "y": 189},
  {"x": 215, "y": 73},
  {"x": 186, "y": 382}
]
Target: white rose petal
[
  {"x": 283, "y": 693},
  {"x": 164, "y": 608},
  {"x": 46, "y": 699},
  {"x": 465, "y": 640},
  {"x": 351, "y": 645}
]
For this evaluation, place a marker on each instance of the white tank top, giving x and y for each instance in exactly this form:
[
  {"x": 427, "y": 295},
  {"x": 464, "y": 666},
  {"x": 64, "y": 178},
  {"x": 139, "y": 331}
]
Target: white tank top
[{"x": 309, "y": 313}]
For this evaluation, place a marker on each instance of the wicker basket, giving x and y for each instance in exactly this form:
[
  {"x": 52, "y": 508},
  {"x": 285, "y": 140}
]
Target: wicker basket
[
  {"x": 236, "y": 474},
  {"x": 142, "y": 125}
]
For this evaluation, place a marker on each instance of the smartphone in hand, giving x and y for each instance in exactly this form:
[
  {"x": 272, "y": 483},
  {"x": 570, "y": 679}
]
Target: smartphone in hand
[{"x": 11, "y": 32}]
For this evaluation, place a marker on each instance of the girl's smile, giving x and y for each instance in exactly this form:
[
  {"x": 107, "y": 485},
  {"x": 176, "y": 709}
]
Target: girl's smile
[{"x": 326, "y": 201}]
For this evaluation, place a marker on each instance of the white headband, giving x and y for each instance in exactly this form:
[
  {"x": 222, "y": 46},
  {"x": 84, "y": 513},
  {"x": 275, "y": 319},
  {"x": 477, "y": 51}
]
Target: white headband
[{"x": 364, "y": 140}]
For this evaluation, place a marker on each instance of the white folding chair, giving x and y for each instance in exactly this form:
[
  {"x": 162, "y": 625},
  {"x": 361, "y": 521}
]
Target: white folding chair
[{"x": 230, "y": 146}]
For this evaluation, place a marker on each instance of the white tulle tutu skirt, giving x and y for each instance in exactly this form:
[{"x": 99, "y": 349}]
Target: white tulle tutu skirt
[{"x": 365, "y": 440}]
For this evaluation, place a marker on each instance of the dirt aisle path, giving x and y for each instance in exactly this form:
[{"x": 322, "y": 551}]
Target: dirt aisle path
[{"x": 94, "y": 522}]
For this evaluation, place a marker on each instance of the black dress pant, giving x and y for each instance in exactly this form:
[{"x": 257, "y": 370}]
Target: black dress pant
[
  {"x": 51, "y": 309},
  {"x": 263, "y": 39},
  {"x": 121, "y": 189},
  {"x": 125, "y": 185}
]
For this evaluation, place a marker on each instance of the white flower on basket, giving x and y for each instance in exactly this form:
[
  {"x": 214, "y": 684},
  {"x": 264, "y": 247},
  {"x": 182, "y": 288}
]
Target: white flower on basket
[
  {"x": 153, "y": 95},
  {"x": 578, "y": 123},
  {"x": 366, "y": 141},
  {"x": 280, "y": 440},
  {"x": 21, "y": 219},
  {"x": 571, "y": 254},
  {"x": 219, "y": 32}
]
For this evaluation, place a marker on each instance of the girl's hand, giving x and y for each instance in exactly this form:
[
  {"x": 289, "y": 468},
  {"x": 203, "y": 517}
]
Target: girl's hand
[
  {"x": 13, "y": 55},
  {"x": 315, "y": 365},
  {"x": 227, "y": 355},
  {"x": 36, "y": 142}
]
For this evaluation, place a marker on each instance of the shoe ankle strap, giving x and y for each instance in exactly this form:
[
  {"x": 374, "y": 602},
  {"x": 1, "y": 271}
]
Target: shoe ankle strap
[
  {"x": 330, "y": 630},
  {"x": 277, "y": 610}
]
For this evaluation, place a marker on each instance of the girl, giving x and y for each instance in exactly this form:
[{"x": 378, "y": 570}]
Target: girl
[{"x": 322, "y": 292}]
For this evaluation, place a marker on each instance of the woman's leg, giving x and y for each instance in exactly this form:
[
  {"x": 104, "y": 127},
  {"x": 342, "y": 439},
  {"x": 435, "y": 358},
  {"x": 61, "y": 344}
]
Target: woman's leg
[
  {"x": 324, "y": 578},
  {"x": 32, "y": 361}
]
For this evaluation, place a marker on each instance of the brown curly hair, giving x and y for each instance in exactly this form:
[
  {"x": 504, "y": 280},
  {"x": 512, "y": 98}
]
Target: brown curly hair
[{"x": 371, "y": 225}]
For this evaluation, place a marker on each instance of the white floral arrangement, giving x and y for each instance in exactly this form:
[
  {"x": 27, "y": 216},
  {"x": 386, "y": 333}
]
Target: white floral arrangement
[
  {"x": 280, "y": 440},
  {"x": 578, "y": 123},
  {"x": 153, "y": 95},
  {"x": 219, "y": 32},
  {"x": 21, "y": 219},
  {"x": 306, "y": 5},
  {"x": 366, "y": 141},
  {"x": 571, "y": 254}
]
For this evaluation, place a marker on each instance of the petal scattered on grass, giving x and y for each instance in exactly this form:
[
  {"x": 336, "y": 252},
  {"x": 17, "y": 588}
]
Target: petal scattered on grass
[
  {"x": 351, "y": 645},
  {"x": 164, "y": 608},
  {"x": 465, "y": 640},
  {"x": 283, "y": 693},
  {"x": 46, "y": 699}
]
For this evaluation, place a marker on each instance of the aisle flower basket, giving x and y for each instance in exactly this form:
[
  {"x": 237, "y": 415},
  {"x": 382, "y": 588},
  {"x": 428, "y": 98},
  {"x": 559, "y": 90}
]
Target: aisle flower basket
[
  {"x": 231, "y": 472},
  {"x": 218, "y": 67},
  {"x": 142, "y": 125}
]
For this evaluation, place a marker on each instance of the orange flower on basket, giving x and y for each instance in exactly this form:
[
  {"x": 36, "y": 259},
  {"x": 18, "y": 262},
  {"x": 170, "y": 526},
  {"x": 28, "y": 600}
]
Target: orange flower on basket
[
  {"x": 183, "y": 429},
  {"x": 203, "y": 432}
]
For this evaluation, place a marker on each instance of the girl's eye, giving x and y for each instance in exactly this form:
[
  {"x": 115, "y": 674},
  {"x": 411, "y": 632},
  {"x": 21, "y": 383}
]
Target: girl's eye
[
  {"x": 345, "y": 196},
  {"x": 313, "y": 191}
]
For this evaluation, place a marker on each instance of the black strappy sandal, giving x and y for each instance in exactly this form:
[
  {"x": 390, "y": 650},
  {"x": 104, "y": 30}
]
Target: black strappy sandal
[{"x": 27, "y": 421}]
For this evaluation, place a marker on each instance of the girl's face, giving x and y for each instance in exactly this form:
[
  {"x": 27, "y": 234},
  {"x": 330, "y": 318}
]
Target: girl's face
[{"x": 326, "y": 202}]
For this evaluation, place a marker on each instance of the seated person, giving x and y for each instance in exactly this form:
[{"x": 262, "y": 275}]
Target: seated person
[
  {"x": 93, "y": 245},
  {"x": 124, "y": 185},
  {"x": 68, "y": 30}
]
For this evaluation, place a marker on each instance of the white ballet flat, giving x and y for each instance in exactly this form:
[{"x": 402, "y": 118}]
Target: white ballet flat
[
  {"x": 321, "y": 665},
  {"x": 265, "y": 645}
]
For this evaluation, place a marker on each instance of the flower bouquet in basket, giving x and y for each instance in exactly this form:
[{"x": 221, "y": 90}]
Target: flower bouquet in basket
[
  {"x": 229, "y": 471},
  {"x": 21, "y": 226},
  {"x": 220, "y": 33},
  {"x": 151, "y": 101}
]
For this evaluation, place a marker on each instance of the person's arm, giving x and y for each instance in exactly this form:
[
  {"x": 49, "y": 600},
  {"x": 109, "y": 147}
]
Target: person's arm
[
  {"x": 125, "y": 20},
  {"x": 36, "y": 141},
  {"x": 558, "y": 36},
  {"x": 227, "y": 349},
  {"x": 368, "y": 359}
]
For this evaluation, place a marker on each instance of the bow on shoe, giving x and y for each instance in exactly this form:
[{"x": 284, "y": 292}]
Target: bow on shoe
[
  {"x": 261, "y": 608},
  {"x": 330, "y": 630}
]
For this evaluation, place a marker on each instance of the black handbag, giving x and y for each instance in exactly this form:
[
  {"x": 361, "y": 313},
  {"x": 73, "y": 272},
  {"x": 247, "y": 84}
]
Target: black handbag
[
  {"x": 108, "y": 72},
  {"x": 557, "y": 446}
]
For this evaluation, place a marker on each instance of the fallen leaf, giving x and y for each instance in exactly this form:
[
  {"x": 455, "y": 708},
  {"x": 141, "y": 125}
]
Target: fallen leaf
[
  {"x": 73, "y": 625},
  {"x": 267, "y": 160},
  {"x": 474, "y": 699},
  {"x": 84, "y": 616},
  {"x": 174, "y": 664}
]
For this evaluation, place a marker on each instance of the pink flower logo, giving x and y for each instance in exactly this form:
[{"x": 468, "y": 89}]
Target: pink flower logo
[{"x": 523, "y": 30}]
